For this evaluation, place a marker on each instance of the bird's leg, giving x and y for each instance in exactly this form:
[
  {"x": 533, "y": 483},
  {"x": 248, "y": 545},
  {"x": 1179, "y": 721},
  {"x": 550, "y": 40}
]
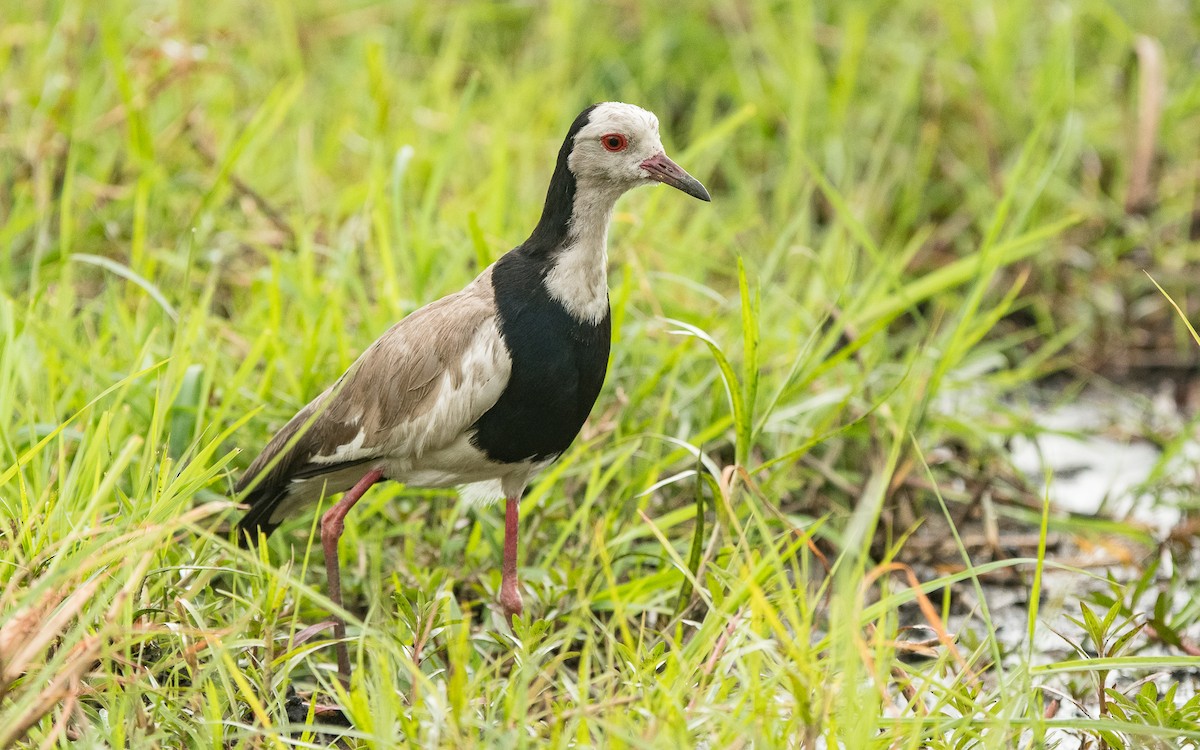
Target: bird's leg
[
  {"x": 510, "y": 587},
  {"x": 332, "y": 524}
]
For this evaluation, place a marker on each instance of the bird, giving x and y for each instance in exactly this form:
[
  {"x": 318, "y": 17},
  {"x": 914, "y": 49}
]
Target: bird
[{"x": 483, "y": 388}]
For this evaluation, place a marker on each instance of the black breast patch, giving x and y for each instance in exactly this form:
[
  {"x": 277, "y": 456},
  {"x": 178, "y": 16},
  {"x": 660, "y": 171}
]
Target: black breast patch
[{"x": 558, "y": 366}]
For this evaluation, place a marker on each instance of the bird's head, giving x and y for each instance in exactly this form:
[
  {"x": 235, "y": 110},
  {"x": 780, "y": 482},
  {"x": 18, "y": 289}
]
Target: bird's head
[{"x": 618, "y": 145}]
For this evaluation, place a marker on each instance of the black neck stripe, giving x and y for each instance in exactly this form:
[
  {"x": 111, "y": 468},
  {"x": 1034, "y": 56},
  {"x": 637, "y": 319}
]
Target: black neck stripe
[{"x": 551, "y": 229}]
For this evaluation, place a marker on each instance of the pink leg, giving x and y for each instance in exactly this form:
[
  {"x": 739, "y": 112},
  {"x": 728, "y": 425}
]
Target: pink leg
[
  {"x": 510, "y": 587},
  {"x": 331, "y": 531}
]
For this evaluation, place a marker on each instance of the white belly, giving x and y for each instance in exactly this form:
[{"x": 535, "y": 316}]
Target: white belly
[{"x": 456, "y": 465}]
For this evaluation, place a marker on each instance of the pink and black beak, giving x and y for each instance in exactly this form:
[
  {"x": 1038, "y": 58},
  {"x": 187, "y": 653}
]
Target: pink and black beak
[{"x": 662, "y": 169}]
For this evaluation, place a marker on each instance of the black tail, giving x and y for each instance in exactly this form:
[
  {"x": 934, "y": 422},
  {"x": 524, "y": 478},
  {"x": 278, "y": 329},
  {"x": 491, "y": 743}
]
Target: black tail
[
  {"x": 273, "y": 489},
  {"x": 263, "y": 501}
]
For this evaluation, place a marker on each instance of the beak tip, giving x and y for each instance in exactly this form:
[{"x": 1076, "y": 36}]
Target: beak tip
[{"x": 695, "y": 188}]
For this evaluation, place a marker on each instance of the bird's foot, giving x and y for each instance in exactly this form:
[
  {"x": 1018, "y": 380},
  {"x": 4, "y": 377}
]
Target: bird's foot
[{"x": 297, "y": 705}]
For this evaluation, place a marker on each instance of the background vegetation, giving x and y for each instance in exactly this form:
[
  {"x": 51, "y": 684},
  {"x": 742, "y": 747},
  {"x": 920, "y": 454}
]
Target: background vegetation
[{"x": 920, "y": 209}]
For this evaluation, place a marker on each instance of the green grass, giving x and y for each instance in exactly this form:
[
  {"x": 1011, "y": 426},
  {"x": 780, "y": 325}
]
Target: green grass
[{"x": 208, "y": 209}]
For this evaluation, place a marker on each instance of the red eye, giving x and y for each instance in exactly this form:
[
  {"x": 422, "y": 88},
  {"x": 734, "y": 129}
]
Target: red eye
[{"x": 614, "y": 142}]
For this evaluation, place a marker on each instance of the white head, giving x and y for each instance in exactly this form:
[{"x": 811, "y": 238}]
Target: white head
[{"x": 619, "y": 145}]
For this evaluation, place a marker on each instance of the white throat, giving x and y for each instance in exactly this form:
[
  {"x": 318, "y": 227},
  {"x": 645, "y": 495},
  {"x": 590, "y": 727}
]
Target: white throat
[{"x": 579, "y": 278}]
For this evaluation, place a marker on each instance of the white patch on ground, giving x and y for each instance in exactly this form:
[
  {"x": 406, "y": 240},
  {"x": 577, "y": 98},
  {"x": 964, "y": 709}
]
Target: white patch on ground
[
  {"x": 1089, "y": 459},
  {"x": 1089, "y": 470}
]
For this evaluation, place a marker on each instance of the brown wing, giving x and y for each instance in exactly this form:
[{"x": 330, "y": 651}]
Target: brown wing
[{"x": 417, "y": 388}]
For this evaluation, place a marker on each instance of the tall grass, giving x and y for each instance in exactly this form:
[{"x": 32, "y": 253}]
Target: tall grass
[{"x": 207, "y": 210}]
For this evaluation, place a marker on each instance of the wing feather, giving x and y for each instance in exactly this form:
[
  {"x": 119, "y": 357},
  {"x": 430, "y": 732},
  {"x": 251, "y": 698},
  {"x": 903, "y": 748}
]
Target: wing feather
[{"x": 416, "y": 389}]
